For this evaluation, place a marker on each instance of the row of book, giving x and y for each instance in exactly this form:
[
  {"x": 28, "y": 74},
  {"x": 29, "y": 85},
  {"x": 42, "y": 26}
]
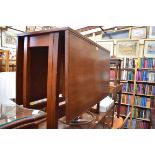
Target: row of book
[
  {"x": 142, "y": 63},
  {"x": 128, "y": 63},
  {"x": 142, "y": 101},
  {"x": 124, "y": 110},
  {"x": 137, "y": 124},
  {"x": 146, "y": 63},
  {"x": 145, "y": 89},
  {"x": 127, "y": 75},
  {"x": 141, "y": 113},
  {"x": 127, "y": 99},
  {"x": 128, "y": 87},
  {"x": 138, "y": 100},
  {"x": 145, "y": 76},
  {"x": 112, "y": 75}
]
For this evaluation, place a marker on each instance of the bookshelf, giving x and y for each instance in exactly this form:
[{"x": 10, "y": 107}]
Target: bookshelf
[
  {"x": 141, "y": 52},
  {"x": 141, "y": 88},
  {"x": 115, "y": 76},
  {"x": 4, "y": 60}
]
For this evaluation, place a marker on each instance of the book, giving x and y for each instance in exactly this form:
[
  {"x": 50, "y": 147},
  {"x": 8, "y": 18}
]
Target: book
[
  {"x": 142, "y": 101},
  {"x": 146, "y": 63},
  {"x": 145, "y": 76},
  {"x": 146, "y": 89}
]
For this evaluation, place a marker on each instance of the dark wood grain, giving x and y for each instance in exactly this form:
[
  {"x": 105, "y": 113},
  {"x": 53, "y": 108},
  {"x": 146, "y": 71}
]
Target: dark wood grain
[
  {"x": 52, "y": 89},
  {"x": 19, "y": 70},
  {"x": 62, "y": 61},
  {"x": 26, "y": 73},
  {"x": 86, "y": 75}
]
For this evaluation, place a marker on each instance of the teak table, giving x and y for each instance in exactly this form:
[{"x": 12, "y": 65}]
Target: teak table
[{"x": 61, "y": 62}]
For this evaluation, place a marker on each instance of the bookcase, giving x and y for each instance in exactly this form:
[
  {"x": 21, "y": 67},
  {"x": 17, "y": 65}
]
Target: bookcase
[
  {"x": 138, "y": 76},
  {"x": 136, "y": 48},
  {"x": 115, "y": 75},
  {"x": 4, "y": 60}
]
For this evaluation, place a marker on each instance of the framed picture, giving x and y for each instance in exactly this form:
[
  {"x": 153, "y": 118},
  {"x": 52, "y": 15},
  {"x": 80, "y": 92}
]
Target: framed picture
[
  {"x": 109, "y": 45},
  {"x": 138, "y": 33},
  {"x": 152, "y": 32},
  {"x": 0, "y": 37},
  {"x": 149, "y": 48},
  {"x": 127, "y": 48},
  {"x": 9, "y": 38}
]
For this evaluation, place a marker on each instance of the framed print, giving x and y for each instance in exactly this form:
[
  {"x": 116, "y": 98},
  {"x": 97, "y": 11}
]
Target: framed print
[
  {"x": 138, "y": 33},
  {"x": 127, "y": 48},
  {"x": 149, "y": 48},
  {"x": 109, "y": 45},
  {"x": 0, "y": 37},
  {"x": 9, "y": 38},
  {"x": 152, "y": 32}
]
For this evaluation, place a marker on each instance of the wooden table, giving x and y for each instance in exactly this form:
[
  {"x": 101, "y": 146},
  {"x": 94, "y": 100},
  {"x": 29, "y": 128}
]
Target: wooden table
[
  {"x": 15, "y": 116},
  {"x": 61, "y": 61}
]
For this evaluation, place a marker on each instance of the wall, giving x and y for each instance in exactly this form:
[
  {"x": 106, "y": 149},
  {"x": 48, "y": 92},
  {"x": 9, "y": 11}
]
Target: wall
[{"x": 121, "y": 36}]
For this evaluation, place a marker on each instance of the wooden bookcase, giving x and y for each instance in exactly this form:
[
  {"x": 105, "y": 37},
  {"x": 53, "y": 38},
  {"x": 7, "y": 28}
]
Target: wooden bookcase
[
  {"x": 4, "y": 59},
  {"x": 134, "y": 108},
  {"x": 115, "y": 71}
]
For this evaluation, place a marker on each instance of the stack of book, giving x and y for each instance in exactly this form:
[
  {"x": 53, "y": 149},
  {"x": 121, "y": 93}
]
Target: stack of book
[
  {"x": 128, "y": 63},
  {"x": 112, "y": 74},
  {"x": 145, "y": 76},
  {"x": 142, "y": 125},
  {"x": 146, "y": 63},
  {"x": 127, "y": 99},
  {"x": 128, "y": 87},
  {"x": 124, "y": 110},
  {"x": 138, "y": 124},
  {"x": 127, "y": 75},
  {"x": 141, "y": 113},
  {"x": 145, "y": 89},
  {"x": 142, "y": 101}
]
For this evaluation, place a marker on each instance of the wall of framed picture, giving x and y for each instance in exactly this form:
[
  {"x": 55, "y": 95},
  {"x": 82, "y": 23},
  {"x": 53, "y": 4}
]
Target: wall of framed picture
[{"x": 140, "y": 43}]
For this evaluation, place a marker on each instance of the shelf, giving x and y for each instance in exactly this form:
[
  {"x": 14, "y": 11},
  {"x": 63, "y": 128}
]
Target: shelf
[
  {"x": 114, "y": 80},
  {"x": 127, "y": 68},
  {"x": 137, "y": 94},
  {"x": 143, "y": 119},
  {"x": 145, "y": 82},
  {"x": 124, "y": 81},
  {"x": 127, "y": 93},
  {"x": 138, "y": 106},
  {"x": 146, "y": 69},
  {"x": 113, "y": 68},
  {"x": 2, "y": 58},
  {"x": 122, "y": 115},
  {"x": 122, "y": 104},
  {"x": 125, "y": 104}
]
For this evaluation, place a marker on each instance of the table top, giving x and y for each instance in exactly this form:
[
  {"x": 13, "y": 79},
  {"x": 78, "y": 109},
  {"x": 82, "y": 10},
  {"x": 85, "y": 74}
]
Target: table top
[{"x": 10, "y": 112}]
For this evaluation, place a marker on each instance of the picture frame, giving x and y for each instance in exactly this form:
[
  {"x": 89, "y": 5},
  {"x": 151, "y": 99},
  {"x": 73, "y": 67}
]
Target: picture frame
[
  {"x": 139, "y": 33},
  {"x": 149, "y": 48},
  {"x": 9, "y": 37},
  {"x": 109, "y": 45},
  {"x": 0, "y": 37},
  {"x": 152, "y": 32},
  {"x": 127, "y": 48}
]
